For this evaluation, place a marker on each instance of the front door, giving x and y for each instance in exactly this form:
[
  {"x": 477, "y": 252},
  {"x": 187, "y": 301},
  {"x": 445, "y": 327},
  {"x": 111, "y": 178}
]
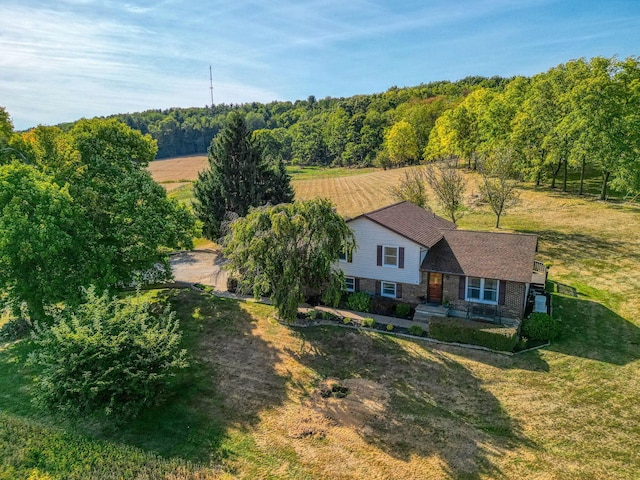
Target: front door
[{"x": 434, "y": 292}]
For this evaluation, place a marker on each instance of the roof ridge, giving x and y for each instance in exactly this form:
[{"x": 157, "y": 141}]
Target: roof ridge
[
  {"x": 384, "y": 208},
  {"x": 492, "y": 233}
]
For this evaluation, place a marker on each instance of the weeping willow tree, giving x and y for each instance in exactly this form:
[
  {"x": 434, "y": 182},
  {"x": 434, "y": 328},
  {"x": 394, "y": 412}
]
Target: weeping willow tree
[{"x": 283, "y": 250}]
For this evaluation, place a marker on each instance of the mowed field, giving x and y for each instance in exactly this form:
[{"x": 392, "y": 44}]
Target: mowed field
[{"x": 174, "y": 173}]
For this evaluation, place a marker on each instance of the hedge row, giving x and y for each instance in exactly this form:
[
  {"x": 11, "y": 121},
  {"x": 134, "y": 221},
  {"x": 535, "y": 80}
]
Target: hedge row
[{"x": 451, "y": 330}]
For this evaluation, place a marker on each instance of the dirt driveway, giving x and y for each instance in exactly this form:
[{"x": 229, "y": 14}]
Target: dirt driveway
[{"x": 200, "y": 266}]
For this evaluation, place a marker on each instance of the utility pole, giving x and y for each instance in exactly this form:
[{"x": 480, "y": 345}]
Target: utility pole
[{"x": 211, "y": 87}]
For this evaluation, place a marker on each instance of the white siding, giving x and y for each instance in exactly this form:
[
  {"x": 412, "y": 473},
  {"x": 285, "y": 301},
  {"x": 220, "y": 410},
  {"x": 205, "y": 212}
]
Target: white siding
[{"x": 364, "y": 265}]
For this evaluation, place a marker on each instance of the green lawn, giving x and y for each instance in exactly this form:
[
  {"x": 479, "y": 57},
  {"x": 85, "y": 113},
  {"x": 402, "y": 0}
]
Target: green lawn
[{"x": 567, "y": 411}]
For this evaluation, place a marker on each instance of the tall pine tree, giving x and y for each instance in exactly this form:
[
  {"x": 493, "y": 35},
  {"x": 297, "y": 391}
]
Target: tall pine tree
[{"x": 237, "y": 179}]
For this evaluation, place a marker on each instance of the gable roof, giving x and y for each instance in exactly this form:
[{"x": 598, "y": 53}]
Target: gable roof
[
  {"x": 417, "y": 224},
  {"x": 503, "y": 256}
]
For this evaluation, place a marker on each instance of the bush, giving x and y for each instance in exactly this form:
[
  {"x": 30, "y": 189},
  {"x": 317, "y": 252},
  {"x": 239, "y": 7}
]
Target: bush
[
  {"x": 346, "y": 320},
  {"x": 416, "y": 330},
  {"x": 540, "y": 326},
  {"x": 232, "y": 284},
  {"x": 107, "y": 356},
  {"x": 463, "y": 331},
  {"x": 312, "y": 314},
  {"x": 368, "y": 322},
  {"x": 389, "y": 327},
  {"x": 15, "y": 329},
  {"x": 403, "y": 310},
  {"x": 359, "y": 301}
]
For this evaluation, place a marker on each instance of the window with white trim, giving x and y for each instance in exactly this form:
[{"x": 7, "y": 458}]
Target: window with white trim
[
  {"x": 482, "y": 290},
  {"x": 389, "y": 256},
  {"x": 346, "y": 255},
  {"x": 350, "y": 284},
  {"x": 388, "y": 289}
]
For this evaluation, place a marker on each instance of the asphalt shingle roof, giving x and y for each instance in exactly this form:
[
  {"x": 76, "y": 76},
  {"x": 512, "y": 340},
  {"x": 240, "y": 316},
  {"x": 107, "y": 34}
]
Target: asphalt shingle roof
[
  {"x": 412, "y": 222},
  {"x": 504, "y": 256}
]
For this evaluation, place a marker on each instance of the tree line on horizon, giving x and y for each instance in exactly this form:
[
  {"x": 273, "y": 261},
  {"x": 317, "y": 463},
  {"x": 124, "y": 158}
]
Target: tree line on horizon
[{"x": 579, "y": 117}]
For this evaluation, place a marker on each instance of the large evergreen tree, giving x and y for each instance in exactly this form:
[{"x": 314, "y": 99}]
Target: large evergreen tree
[{"x": 237, "y": 179}]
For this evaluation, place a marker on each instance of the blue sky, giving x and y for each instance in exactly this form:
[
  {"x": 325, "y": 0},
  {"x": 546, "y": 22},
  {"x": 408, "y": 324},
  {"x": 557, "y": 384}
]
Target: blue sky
[{"x": 66, "y": 59}]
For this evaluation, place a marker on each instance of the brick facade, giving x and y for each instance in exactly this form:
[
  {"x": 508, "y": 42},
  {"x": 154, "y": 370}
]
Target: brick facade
[
  {"x": 415, "y": 294},
  {"x": 411, "y": 294},
  {"x": 514, "y": 297}
]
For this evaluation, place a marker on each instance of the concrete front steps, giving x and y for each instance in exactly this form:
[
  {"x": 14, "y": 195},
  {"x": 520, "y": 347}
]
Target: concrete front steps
[{"x": 424, "y": 311}]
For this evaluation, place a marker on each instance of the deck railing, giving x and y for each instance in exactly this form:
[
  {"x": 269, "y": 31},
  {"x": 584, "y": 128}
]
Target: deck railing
[{"x": 539, "y": 267}]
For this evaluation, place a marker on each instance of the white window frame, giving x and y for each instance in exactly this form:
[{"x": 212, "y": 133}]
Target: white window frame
[
  {"x": 346, "y": 256},
  {"x": 384, "y": 256},
  {"x": 382, "y": 287},
  {"x": 353, "y": 283},
  {"x": 482, "y": 291}
]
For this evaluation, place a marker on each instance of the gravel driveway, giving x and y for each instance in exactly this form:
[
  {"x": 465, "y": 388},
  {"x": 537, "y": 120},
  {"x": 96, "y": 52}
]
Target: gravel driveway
[{"x": 200, "y": 266}]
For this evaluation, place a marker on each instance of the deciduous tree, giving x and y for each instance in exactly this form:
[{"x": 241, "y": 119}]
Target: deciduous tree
[
  {"x": 449, "y": 185},
  {"x": 412, "y": 188},
  {"x": 497, "y": 186},
  {"x": 285, "y": 249}
]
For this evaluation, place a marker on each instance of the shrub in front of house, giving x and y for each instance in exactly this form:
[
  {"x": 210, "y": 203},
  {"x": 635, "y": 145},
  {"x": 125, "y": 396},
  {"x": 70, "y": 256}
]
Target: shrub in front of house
[
  {"x": 368, "y": 322},
  {"x": 540, "y": 326},
  {"x": 359, "y": 301},
  {"x": 474, "y": 333},
  {"x": 416, "y": 330},
  {"x": 403, "y": 310},
  {"x": 383, "y": 305},
  {"x": 232, "y": 284}
]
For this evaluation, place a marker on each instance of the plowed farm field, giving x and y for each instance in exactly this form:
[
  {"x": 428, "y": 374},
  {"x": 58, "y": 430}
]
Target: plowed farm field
[{"x": 176, "y": 172}]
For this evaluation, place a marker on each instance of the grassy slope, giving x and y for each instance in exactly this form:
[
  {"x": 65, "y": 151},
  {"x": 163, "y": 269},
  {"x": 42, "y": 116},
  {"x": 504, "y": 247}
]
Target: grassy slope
[{"x": 248, "y": 403}]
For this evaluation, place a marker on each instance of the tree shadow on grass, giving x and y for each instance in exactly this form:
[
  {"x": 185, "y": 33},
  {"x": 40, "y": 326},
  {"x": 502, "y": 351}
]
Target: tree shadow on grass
[
  {"x": 230, "y": 380},
  {"x": 591, "y": 330},
  {"x": 436, "y": 407},
  {"x": 584, "y": 249}
]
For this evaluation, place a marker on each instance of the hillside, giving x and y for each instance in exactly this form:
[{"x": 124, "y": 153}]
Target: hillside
[{"x": 250, "y": 407}]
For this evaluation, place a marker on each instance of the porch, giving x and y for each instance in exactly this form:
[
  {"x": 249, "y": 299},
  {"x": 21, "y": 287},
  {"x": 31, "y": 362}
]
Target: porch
[
  {"x": 539, "y": 275},
  {"x": 473, "y": 311}
]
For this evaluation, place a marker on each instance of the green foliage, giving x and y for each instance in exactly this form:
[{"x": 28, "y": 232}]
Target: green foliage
[
  {"x": 43, "y": 249},
  {"x": 497, "y": 187},
  {"x": 389, "y": 327},
  {"x": 237, "y": 179},
  {"x": 412, "y": 188},
  {"x": 288, "y": 248},
  {"x": 368, "y": 322},
  {"x": 403, "y": 310},
  {"x": 312, "y": 314},
  {"x": 359, "y": 301},
  {"x": 346, "y": 320},
  {"x": 416, "y": 330},
  {"x": 109, "y": 224},
  {"x": 401, "y": 144},
  {"x": 15, "y": 329},
  {"x": 449, "y": 185},
  {"x": 107, "y": 356},
  {"x": 503, "y": 339},
  {"x": 540, "y": 326},
  {"x": 232, "y": 284}
]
